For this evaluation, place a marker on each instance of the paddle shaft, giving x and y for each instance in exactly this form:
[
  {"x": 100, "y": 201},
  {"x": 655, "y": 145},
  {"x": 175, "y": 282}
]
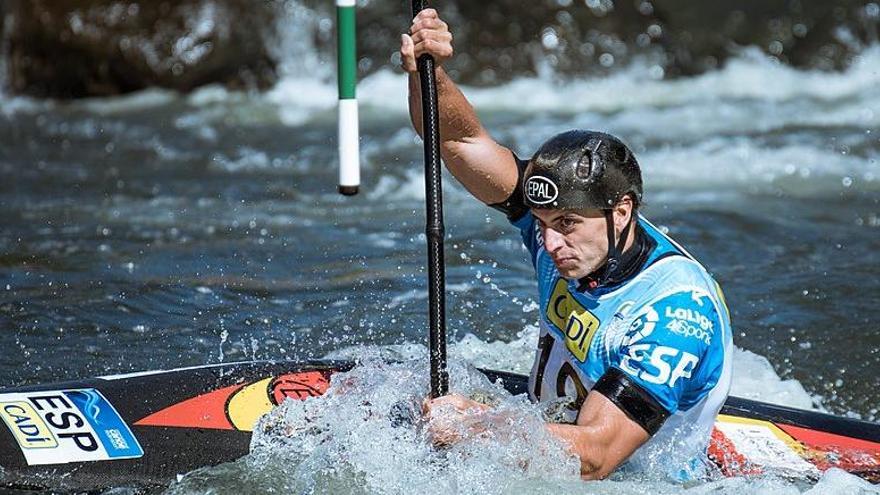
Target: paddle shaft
[{"x": 434, "y": 229}]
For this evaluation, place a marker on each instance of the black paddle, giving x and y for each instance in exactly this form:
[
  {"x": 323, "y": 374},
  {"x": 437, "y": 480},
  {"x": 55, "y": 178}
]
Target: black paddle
[{"x": 434, "y": 228}]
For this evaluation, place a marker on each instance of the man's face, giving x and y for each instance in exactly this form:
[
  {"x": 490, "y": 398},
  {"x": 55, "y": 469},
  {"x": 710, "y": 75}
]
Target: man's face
[{"x": 577, "y": 240}]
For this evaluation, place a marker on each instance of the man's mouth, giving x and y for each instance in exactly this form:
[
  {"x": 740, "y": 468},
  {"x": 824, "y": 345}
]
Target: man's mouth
[{"x": 564, "y": 261}]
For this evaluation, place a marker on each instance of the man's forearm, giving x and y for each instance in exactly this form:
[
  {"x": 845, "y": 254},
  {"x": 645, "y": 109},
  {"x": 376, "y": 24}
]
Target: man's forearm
[
  {"x": 603, "y": 437},
  {"x": 459, "y": 120},
  {"x": 485, "y": 168},
  {"x": 577, "y": 438}
]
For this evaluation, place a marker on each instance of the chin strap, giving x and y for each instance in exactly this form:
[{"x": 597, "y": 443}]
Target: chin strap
[
  {"x": 613, "y": 260},
  {"x": 614, "y": 249}
]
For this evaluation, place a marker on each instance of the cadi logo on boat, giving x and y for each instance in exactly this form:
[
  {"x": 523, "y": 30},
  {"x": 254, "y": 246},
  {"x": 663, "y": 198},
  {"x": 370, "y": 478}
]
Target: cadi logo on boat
[{"x": 541, "y": 190}]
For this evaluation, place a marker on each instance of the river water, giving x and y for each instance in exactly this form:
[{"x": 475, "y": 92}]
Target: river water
[{"x": 159, "y": 230}]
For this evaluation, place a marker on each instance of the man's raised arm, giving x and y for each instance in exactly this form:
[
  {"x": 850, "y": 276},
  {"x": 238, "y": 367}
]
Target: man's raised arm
[{"x": 487, "y": 169}]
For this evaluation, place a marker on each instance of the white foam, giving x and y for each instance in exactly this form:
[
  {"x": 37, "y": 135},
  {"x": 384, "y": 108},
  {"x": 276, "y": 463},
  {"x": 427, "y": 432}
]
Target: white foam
[
  {"x": 722, "y": 162},
  {"x": 132, "y": 102},
  {"x": 11, "y": 106},
  {"x": 728, "y": 115},
  {"x": 248, "y": 159},
  {"x": 366, "y": 434},
  {"x": 838, "y": 482},
  {"x": 755, "y": 378},
  {"x": 753, "y": 375},
  {"x": 298, "y": 26},
  {"x": 299, "y": 99},
  {"x": 306, "y": 85},
  {"x": 709, "y": 103},
  {"x": 212, "y": 94},
  {"x": 409, "y": 187},
  {"x": 515, "y": 356},
  {"x": 749, "y": 76}
]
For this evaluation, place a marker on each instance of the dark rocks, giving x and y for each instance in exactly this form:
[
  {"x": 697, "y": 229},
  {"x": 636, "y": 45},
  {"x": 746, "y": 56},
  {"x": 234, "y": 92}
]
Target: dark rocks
[
  {"x": 699, "y": 35},
  {"x": 502, "y": 39},
  {"x": 79, "y": 48},
  {"x": 682, "y": 37}
]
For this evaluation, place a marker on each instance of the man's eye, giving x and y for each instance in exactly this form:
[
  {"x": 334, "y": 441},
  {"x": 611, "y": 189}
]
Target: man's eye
[{"x": 567, "y": 223}]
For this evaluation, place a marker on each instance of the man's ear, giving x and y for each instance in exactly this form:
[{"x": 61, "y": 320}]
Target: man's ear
[{"x": 623, "y": 212}]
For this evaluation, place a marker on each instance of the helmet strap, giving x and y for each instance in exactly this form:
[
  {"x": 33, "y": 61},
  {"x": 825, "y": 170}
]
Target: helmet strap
[{"x": 615, "y": 249}]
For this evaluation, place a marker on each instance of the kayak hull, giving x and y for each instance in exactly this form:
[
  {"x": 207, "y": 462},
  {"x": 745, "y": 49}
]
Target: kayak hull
[{"x": 58, "y": 436}]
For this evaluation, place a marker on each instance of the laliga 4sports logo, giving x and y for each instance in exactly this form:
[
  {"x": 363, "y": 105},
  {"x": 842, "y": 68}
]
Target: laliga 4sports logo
[
  {"x": 541, "y": 190},
  {"x": 690, "y": 323}
]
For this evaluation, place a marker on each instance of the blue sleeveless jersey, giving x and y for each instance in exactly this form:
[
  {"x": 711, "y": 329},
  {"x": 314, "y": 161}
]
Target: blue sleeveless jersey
[{"x": 667, "y": 328}]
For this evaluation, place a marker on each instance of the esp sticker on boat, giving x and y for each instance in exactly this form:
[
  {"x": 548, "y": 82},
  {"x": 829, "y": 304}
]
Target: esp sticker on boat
[{"x": 57, "y": 427}]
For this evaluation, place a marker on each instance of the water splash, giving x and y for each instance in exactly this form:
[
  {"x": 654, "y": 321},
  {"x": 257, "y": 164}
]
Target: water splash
[
  {"x": 366, "y": 435},
  {"x": 753, "y": 375}
]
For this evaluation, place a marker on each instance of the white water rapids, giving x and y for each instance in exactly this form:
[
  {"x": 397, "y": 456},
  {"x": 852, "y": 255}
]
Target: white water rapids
[{"x": 206, "y": 227}]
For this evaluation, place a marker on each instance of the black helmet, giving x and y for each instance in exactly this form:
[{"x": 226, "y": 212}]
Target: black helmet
[{"x": 581, "y": 169}]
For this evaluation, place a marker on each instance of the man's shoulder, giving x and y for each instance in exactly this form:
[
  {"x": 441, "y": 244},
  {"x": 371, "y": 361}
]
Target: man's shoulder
[
  {"x": 665, "y": 245},
  {"x": 681, "y": 301},
  {"x": 671, "y": 264},
  {"x": 671, "y": 275}
]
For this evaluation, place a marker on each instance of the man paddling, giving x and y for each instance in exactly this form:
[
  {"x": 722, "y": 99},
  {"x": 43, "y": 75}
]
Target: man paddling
[{"x": 635, "y": 338}]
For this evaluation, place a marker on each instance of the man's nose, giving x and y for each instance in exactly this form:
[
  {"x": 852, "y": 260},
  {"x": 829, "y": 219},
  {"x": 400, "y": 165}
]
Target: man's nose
[{"x": 553, "y": 240}]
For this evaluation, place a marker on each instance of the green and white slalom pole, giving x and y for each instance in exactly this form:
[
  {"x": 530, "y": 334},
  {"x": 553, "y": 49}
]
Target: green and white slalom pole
[{"x": 349, "y": 149}]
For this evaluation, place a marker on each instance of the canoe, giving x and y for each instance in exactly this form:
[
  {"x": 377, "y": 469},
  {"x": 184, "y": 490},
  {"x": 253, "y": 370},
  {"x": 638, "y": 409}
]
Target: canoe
[{"x": 143, "y": 429}]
